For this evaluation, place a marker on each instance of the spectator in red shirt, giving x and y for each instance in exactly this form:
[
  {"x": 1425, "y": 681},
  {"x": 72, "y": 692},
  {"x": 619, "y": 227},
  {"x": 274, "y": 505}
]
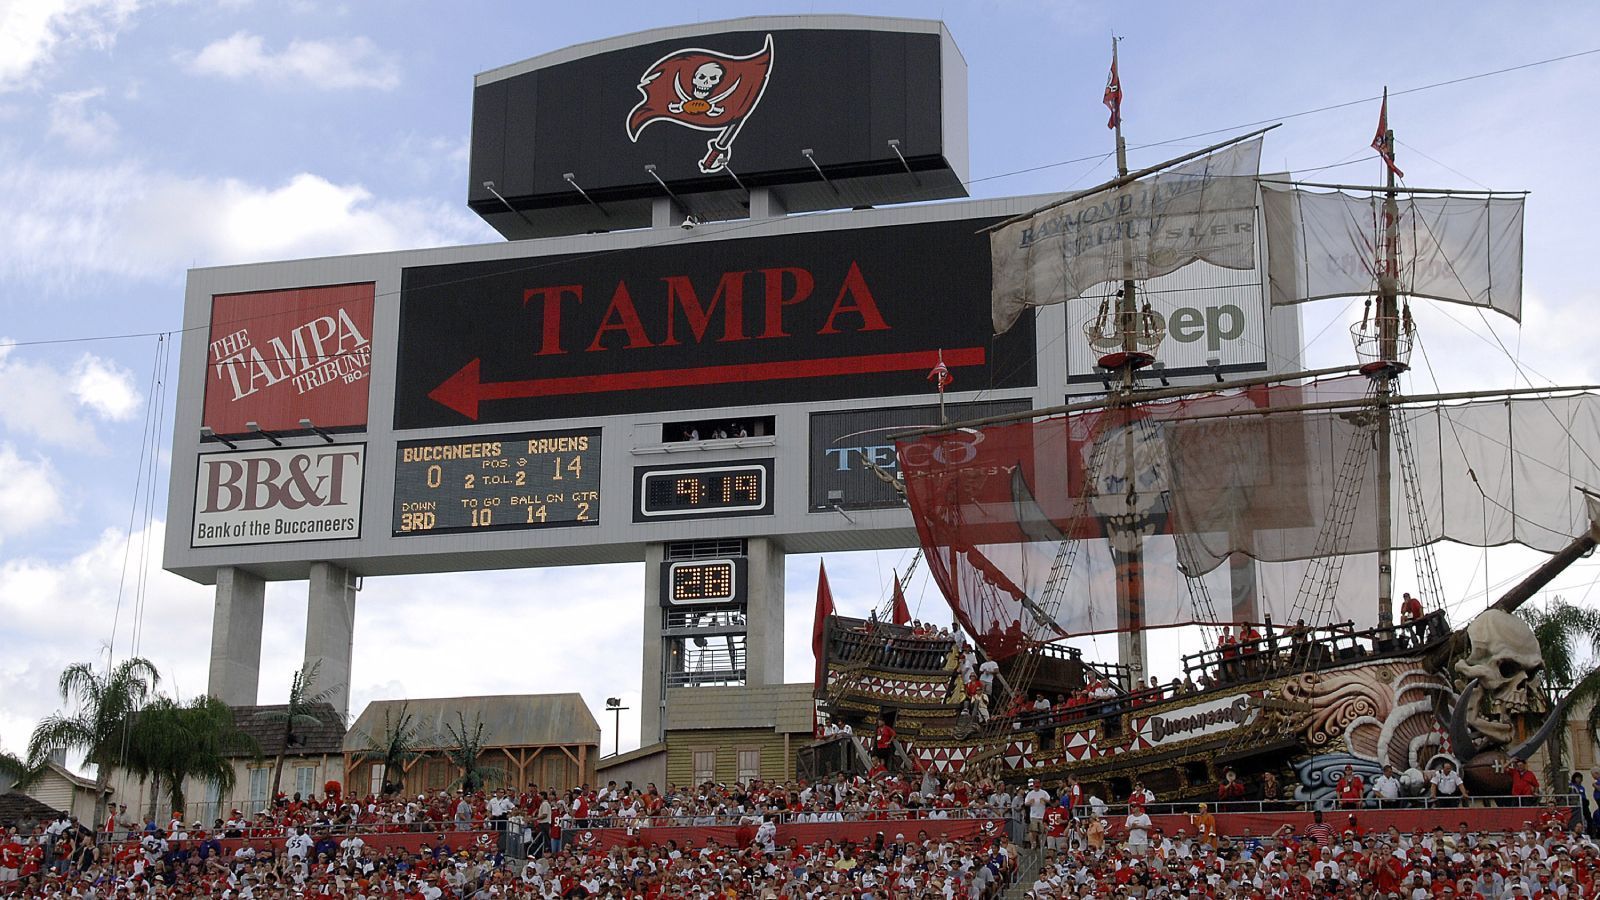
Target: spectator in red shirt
[
  {"x": 1524, "y": 783},
  {"x": 1230, "y": 791},
  {"x": 1351, "y": 788}
]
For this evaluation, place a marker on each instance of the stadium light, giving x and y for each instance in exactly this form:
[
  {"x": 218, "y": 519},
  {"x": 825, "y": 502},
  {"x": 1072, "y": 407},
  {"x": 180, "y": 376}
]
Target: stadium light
[
  {"x": 206, "y": 434},
  {"x": 256, "y": 427},
  {"x": 306, "y": 424}
]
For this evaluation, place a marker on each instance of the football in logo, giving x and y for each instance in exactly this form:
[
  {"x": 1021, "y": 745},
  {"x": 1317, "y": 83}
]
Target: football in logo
[{"x": 704, "y": 90}]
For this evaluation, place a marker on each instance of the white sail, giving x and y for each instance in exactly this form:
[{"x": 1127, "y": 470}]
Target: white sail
[
  {"x": 1201, "y": 210},
  {"x": 1458, "y": 249}
]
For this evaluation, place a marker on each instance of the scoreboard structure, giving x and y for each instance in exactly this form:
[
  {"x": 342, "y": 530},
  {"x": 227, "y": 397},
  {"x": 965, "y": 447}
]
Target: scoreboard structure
[{"x": 662, "y": 365}]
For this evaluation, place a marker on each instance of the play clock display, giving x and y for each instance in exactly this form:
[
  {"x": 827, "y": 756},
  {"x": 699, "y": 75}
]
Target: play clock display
[
  {"x": 494, "y": 482},
  {"x": 690, "y": 582},
  {"x": 703, "y": 491}
]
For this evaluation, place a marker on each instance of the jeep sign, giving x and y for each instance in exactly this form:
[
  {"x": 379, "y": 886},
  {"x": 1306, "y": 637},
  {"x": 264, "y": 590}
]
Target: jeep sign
[{"x": 279, "y": 495}]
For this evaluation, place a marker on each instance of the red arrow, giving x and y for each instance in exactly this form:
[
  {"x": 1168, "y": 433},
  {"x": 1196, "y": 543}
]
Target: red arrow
[{"x": 464, "y": 390}]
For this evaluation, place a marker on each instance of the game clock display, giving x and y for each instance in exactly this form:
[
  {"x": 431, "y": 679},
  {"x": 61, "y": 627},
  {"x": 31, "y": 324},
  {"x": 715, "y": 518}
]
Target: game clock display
[
  {"x": 664, "y": 493},
  {"x": 496, "y": 482}
]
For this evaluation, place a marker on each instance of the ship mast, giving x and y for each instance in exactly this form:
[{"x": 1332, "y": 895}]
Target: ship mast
[
  {"x": 1131, "y": 643},
  {"x": 1387, "y": 376}
]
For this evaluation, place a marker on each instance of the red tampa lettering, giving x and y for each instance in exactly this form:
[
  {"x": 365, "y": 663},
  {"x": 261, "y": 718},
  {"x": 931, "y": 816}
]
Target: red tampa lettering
[
  {"x": 263, "y": 482},
  {"x": 783, "y": 289}
]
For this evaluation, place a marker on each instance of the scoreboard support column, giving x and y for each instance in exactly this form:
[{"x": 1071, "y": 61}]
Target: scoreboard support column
[
  {"x": 235, "y": 672},
  {"x": 713, "y": 617},
  {"x": 764, "y": 613},
  {"x": 330, "y": 631}
]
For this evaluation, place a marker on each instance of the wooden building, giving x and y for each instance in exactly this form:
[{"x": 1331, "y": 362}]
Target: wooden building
[{"x": 549, "y": 740}]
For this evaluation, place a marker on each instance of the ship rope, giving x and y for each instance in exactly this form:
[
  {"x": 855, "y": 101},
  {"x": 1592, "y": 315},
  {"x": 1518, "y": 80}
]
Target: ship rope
[
  {"x": 1429, "y": 586},
  {"x": 1319, "y": 585}
]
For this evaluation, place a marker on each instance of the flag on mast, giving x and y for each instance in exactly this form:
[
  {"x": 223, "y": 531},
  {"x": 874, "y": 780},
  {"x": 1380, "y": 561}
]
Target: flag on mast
[
  {"x": 819, "y": 623},
  {"x": 902, "y": 613},
  {"x": 940, "y": 373},
  {"x": 1113, "y": 95},
  {"x": 1383, "y": 140}
]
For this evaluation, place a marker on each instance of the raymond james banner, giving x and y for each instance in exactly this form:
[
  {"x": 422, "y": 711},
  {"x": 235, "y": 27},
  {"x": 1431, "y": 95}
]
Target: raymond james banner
[{"x": 274, "y": 496}]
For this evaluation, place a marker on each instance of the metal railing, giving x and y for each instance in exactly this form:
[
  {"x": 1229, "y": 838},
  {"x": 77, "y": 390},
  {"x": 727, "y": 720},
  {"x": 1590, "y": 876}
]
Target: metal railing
[{"x": 714, "y": 820}]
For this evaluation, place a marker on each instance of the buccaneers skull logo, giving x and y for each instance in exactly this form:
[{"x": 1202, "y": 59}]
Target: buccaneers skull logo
[{"x": 705, "y": 90}]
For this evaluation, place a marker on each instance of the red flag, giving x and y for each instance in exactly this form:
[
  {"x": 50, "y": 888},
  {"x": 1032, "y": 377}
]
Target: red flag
[
  {"x": 1381, "y": 141},
  {"x": 1113, "y": 96},
  {"x": 902, "y": 614},
  {"x": 824, "y": 610},
  {"x": 940, "y": 374},
  {"x": 705, "y": 90}
]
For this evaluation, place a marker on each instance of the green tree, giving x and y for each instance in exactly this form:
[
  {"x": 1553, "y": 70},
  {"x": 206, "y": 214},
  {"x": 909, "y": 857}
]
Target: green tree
[
  {"x": 15, "y": 773},
  {"x": 464, "y": 748},
  {"x": 173, "y": 741},
  {"x": 1569, "y": 639},
  {"x": 296, "y": 714},
  {"x": 394, "y": 748},
  {"x": 103, "y": 708}
]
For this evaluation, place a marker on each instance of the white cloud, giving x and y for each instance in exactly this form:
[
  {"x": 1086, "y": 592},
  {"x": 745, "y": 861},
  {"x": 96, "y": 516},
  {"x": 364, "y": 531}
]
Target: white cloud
[
  {"x": 48, "y": 403},
  {"x": 105, "y": 387},
  {"x": 28, "y": 494},
  {"x": 326, "y": 65},
  {"x": 78, "y": 125},
  {"x": 126, "y": 219},
  {"x": 33, "y": 31},
  {"x": 40, "y": 404}
]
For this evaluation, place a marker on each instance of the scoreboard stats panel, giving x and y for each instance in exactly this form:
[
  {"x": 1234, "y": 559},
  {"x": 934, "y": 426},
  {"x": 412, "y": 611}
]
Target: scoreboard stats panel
[{"x": 497, "y": 482}]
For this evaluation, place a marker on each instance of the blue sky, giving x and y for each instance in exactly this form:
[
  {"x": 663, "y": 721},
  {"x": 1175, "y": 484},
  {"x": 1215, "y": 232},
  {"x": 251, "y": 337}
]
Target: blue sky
[{"x": 138, "y": 139}]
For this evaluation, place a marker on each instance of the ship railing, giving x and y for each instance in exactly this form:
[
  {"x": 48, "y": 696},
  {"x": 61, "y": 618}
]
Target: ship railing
[
  {"x": 1298, "y": 648},
  {"x": 882, "y": 647}
]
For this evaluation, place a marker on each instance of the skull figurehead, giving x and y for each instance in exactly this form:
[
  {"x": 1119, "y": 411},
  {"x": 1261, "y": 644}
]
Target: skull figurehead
[
  {"x": 706, "y": 79},
  {"x": 1506, "y": 660}
]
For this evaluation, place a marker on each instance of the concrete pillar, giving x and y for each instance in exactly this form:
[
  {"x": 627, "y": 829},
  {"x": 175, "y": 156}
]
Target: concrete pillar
[
  {"x": 330, "y": 631},
  {"x": 764, "y": 614},
  {"x": 236, "y": 637},
  {"x": 652, "y": 693},
  {"x": 764, "y": 204}
]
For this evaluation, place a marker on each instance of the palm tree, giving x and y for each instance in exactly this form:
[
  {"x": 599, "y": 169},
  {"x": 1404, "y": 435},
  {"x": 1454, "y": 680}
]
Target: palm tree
[
  {"x": 172, "y": 742},
  {"x": 1565, "y": 632},
  {"x": 297, "y": 713},
  {"x": 464, "y": 749},
  {"x": 15, "y": 773},
  {"x": 103, "y": 712},
  {"x": 394, "y": 749}
]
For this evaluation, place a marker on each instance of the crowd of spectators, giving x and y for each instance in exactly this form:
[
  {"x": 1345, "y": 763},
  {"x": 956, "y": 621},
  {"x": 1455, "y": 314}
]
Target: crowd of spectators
[{"x": 539, "y": 844}]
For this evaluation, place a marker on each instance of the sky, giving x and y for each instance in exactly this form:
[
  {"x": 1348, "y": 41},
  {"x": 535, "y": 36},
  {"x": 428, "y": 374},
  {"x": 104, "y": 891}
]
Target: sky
[{"x": 139, "y": 138}]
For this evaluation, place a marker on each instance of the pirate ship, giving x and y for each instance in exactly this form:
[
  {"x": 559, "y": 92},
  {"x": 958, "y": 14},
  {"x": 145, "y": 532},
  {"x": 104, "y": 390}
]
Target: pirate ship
[{"x": 1278, "y": 506}]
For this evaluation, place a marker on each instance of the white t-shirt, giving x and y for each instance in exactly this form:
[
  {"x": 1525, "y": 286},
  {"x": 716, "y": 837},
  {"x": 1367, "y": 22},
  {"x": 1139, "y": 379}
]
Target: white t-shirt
[
  {"x": 1386, "y": 787},
  {"x": 1138, "y": 824},
  {"x": 1447, "y": 782},
  {"x": 1036, "y": 800}
]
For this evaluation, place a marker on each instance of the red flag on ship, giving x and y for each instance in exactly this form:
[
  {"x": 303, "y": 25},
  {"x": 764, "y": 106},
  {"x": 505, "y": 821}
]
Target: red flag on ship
[
  {"x": 1382, "y": 141},
  {"x": 940, "y": 374},
  {"x": 1113, "y": 96},
  {"x": 824, "y": 610},
  {"x": 902, "y": 613}
]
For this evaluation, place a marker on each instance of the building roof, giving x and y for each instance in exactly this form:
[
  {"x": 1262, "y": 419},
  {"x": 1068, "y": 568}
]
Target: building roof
[
  {"x": 326, "y": 737},
  {"x": 518, "y": 720},
  {"x": 785, "y": 708},
  {"x": 16, "y": 806}
]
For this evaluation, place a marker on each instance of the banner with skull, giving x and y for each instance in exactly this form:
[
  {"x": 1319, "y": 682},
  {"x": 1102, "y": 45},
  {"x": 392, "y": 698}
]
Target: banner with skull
[{"x": 705, "y": 90}]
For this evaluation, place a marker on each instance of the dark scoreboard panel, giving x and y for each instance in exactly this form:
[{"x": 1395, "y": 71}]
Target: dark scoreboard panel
[
  {"x": 497, "y": 482},
  {"x": 713, "y": 490}
]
